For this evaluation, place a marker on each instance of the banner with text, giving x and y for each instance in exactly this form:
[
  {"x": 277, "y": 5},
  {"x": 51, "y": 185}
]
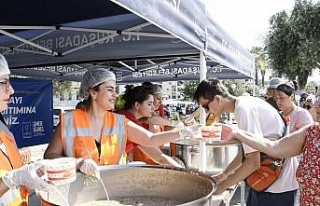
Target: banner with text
[{"x": 30, "y": 115}]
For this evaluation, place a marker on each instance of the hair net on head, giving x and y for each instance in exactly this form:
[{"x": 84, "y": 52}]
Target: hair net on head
[
  {"x": 4, "y": 68},
  {"x": 92, "y": 78},
  {"x": 157, "y": 88}
]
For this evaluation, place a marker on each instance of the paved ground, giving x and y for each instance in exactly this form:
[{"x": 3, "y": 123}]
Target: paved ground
[{"x": 38, "y": 151}]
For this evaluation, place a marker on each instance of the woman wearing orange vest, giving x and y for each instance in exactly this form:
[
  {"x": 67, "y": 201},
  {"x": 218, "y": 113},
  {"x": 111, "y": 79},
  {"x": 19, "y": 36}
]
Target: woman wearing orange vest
[
  {"x": 14, "y": 178},
  {"x": 139, "y": 102},
  {"x": 98, "y": 134}
]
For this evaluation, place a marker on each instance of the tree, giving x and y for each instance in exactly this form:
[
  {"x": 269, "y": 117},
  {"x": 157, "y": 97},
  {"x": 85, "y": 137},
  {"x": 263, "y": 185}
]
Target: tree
[
  {"x": 236, "y": 87},
  {"x": 293, "y": 41},
  {"x": 61, "y": 87},
  {"x": 260, "y": 62},
  {"x": 311, "y": 87},
  {"x": 189, "y": 89}
]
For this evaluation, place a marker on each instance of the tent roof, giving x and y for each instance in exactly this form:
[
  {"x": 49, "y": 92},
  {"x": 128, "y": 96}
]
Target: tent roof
[{"x": 62, "y": 39}]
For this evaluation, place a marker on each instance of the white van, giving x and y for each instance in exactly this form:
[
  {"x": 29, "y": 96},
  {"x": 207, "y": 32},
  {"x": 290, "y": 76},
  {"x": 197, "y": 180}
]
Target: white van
[{"x": 57, "y": 111}]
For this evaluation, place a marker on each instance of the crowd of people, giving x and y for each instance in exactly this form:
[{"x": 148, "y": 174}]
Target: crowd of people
[
  {"x": 303, "y": 141},
  {"x": 98, "y": 134}
]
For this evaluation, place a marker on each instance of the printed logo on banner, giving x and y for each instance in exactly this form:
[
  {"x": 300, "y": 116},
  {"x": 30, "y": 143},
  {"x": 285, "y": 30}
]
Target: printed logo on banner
[
  {"x": 38, "y": 129},
  {"x": 26, "y": 130}
]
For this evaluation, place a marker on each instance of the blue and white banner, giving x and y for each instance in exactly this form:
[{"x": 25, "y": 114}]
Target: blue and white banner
[{"x": 29, "y": 115}]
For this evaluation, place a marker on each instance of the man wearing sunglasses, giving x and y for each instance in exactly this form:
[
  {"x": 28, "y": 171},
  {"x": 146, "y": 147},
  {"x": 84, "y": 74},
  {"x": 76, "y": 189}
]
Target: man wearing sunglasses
[{"x": 258, "y": 117}]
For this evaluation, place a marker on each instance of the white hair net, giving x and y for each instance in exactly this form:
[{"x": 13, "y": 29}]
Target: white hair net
[
  {"x": 157, "y": 88},
  {"x": 92, "y": 78},
  {"x": 4, "y": 68}
]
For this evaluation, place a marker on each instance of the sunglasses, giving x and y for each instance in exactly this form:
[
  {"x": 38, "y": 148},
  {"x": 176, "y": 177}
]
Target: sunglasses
[{"x": 206, "y": 106}]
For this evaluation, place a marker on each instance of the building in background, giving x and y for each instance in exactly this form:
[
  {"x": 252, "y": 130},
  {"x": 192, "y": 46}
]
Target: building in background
[{"x": 68, "y": 99}]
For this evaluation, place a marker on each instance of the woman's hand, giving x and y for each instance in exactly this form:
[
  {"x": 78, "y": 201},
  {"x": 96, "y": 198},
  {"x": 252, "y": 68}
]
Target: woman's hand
[
  {"x": 27, "y": 175},
  {"x": 89, "y": 167},
  {"x": 192, "y": 132},
  {"x": 189, "y": 121}
]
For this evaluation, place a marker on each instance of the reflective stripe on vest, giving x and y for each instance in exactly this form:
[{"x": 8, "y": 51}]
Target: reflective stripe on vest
[
  {"x": 70, "y": 131},
  {"x": 118, "y": 130},
  {"x": 11, "y": 159}
]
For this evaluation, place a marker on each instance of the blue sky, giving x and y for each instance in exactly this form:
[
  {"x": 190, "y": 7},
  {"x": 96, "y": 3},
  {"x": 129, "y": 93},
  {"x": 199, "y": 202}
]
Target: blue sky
[{"x": 247, "y": 20}]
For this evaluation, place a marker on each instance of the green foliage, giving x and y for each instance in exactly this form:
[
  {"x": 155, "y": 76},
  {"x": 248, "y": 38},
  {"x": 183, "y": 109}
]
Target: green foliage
[
  {"x": 293, "y": 41},
  {"x": 189, "y": 89},
  {"x": 260, "y": 61},
  {"x": 61, "y": 87},
  {"x": 236, "y": 87},
  {"x": 311, "y": 88},
  {"x": 119, "y": 102},
  {"x": 174, "y": 116}
]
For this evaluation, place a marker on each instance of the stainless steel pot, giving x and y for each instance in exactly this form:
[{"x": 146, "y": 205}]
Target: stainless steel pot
[
  {"x": 218, "y": 155},
  {"x": 181, "y": 185}
]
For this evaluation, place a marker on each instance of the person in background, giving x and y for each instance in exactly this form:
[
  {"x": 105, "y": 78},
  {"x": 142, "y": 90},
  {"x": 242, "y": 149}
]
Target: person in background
[
  {"x": 157, "y": 123},
  {"x": 298, "y": 116},
  {"x": 310, "y": 106},
  {"x": 95, "y": 133},
  {"x": 15, "y": 178},
  {"x": 158, "y": 95},
  {"x": 189, "y": 109},
  {"x": 302, "y": 100},
  {"x": 285, "y": 99},
  {"x": 157, "y": 103},
  {"x": 305, "y": 141},
  {"x": 271, "y": 92},
  {"x": 258, "y": 117},
  {"x": 139, "y": 102},
  {"x": 167, "y": 111}
]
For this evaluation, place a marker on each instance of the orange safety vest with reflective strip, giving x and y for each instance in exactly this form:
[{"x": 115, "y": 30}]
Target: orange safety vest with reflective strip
[
  {"x": 78, "y": 141},
  {"x": 9, "y": 160},
  {"x": 138, "y": 155}
]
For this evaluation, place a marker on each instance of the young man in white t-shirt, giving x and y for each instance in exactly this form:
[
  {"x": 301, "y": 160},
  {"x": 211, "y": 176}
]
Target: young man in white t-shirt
[{"x": 258, "y": 117}]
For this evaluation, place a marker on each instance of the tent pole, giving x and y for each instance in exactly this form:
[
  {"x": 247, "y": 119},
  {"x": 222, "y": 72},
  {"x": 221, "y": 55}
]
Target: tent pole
[{"x": 203, "y": 76}]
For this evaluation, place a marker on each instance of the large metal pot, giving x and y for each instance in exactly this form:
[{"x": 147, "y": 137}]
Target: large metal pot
[
  {"x": 184, "y": 186},
  {"x": 218, "y": 155}
]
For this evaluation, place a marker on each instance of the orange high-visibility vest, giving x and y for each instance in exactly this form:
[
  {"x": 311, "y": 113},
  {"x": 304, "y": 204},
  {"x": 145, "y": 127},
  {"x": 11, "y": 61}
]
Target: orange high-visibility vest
[
  {"x": 138, "y": 155},
  {"x": 10, "y": 160},
  {"x": 78, "y": 141}
]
